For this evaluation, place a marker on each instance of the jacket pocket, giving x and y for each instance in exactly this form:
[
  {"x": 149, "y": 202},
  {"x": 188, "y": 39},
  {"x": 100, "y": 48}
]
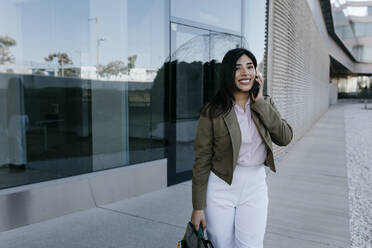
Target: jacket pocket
[
  {"x": 221, "y": 143},
  {"x": 221, "y": 133}
]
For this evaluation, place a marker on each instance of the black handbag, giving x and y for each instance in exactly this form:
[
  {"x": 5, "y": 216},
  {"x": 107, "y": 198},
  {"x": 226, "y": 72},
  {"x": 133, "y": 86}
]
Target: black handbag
[{"x": 194, "y": 239}]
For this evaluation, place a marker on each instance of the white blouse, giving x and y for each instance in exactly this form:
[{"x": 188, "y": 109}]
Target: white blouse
[{"x": 252, "y": 149}]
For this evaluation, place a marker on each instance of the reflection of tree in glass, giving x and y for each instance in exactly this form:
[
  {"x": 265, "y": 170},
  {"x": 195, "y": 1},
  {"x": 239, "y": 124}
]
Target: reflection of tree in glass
[
  {"x": 131, "y": 61},
  {"x": 63, "y": 59},
  {"x": 113, "y": 68},
  {"x": 5, "y": 54},
  {"x": 117, "y": 67}
]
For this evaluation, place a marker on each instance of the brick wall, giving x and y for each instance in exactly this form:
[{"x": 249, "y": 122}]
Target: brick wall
[{"x": 298, "y": 66}]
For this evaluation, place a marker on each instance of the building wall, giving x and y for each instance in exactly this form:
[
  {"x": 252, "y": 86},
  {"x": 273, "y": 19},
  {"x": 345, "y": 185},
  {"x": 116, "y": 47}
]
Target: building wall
[
  {"x": 332, "y": 48},
  {"x": 24, "y": 205},
  {"x": 333, "y": 94},
  {"x": 298, "y": 66}
]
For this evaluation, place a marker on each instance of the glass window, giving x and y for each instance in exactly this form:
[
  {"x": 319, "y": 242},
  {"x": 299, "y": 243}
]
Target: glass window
[
  {"x": 343, "y": 26},
  {"x": 344, "y": 32},
  {"x": 367, "y": 54},
  {"x": 254, "y": 35},
  {"x": 81, "y": 85},
  {"x": 195, "y": 60},
  {"x": 212, "y": 13},
  {"x": 362, "y": 29},
  {"x": 364, "y": 53},
  {"x": 339, "y": 17},
  {"x": 254, "y": 32}
]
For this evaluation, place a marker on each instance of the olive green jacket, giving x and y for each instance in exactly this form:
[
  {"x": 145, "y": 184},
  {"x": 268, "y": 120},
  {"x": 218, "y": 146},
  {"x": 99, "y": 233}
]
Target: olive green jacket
[{"x": 218, "y": 140}]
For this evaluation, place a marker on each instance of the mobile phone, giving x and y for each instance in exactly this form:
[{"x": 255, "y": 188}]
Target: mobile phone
[{"x": 255, "y": 88}]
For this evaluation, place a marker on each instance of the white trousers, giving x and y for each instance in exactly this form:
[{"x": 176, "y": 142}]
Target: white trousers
[{"x": 236, "y": 214}]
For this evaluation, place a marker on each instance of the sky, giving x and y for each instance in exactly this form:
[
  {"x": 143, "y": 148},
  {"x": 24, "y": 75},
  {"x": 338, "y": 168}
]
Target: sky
[{"x": 128, "y": 27}]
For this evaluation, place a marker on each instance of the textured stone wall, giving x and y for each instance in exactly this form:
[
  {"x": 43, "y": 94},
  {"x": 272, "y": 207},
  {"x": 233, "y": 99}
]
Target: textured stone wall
[{"x": 298, "y": 66}]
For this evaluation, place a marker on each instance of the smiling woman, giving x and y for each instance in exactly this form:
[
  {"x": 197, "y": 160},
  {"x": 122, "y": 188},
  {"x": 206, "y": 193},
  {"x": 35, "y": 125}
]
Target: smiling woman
[
  {"x": 229, "y": 192},
  {"x": 245, "y": 73}
]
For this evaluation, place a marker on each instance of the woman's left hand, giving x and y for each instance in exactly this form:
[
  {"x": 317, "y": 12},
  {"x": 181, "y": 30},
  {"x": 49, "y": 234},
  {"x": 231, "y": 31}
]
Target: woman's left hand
[{"x": 260, "y": 91}]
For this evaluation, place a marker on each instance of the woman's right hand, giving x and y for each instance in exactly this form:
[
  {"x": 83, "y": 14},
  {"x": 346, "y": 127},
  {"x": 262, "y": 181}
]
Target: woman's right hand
[{"x": 198, "y": 217}]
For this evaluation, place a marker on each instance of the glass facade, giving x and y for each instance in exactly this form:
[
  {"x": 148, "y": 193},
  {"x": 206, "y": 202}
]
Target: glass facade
[
  {"x": 213, "y": 13},
  {"x": 255, "y": 30},
  {"x": 90, "y": 85},
  {"x": 362, "y": 29},
  {"x": 343, "y": 26},
  {"x": 359, "y": 87},
  {"x": 195, "y": 56},
  {"x": 77, "y": 96},
  {"x": 354, "y": 27},
  {"x": 363, "y": 53}
]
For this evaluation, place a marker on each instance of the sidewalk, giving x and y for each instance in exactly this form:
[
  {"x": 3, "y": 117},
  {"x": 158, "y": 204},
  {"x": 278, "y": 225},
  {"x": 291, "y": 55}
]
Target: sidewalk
[{"x": 308, "y": 205}]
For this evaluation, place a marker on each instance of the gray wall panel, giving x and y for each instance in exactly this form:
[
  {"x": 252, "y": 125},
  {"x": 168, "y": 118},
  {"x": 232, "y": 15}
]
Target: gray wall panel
[
  {"x": 298, "y": 66},
  {"x": 33, "y": 203},
  {"x": 47, "y": 201}
]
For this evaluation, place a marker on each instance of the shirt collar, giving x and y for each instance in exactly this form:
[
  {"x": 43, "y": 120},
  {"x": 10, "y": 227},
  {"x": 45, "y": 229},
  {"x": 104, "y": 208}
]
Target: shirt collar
[{"x": 246, "y": 105}]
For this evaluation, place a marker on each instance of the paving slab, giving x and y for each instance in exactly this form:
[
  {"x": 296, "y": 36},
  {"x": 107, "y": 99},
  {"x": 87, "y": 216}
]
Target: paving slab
[
  {"x": 309, "y": 193},
  {"x": 93, "y": 228}
]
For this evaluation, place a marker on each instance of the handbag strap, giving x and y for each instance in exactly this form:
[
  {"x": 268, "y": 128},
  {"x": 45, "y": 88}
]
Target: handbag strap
[{"x": 200, "y": 233}]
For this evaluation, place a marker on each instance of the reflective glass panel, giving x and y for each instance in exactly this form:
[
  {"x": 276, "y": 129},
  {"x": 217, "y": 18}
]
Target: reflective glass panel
[
  {"x": 214, "y": 13},
  {"x": 81, "y": 86},
  {"x": 196, "y": 55},
  {"x": 353, "y": 25},
  {"x": 254, "y": 32}
]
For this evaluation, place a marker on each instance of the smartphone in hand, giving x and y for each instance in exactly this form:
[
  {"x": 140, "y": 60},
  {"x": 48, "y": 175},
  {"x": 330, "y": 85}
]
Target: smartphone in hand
[{"x": 255, "y": 88}]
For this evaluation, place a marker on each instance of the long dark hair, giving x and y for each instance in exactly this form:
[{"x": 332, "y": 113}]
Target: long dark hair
[{"x": 221, "y": 103}]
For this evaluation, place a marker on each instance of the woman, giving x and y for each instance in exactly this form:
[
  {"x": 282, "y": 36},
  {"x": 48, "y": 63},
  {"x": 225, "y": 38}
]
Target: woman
[{"x": 233, "y": 144}]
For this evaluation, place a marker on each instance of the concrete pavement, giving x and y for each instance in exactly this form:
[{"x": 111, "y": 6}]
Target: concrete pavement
[{"x": 308, "y": 205}]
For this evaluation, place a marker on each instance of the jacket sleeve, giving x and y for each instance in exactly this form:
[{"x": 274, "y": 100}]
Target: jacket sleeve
[
  {"x": 202, "y": 165},
  {"x": 280, "y": 131}
]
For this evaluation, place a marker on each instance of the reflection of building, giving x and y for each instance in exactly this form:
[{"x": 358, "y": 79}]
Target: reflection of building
[
  {"x": 130, "y": 129},
  {"x": 90, "y": 72},
  {"x": 142, "y": 75},
  {"x": 15, "y": 69}
]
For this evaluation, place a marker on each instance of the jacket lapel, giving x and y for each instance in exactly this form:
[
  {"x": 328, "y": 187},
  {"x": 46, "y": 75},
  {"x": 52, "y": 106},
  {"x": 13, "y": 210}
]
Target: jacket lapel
[
  {"x": 234, "y": 130},
  {"x": 260, "y": 130}
]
